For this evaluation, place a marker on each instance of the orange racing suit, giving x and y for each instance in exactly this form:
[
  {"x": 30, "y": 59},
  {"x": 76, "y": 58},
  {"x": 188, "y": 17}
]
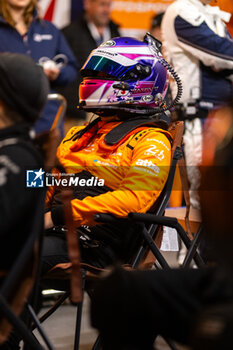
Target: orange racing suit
[
  {"x": 134, "y": 176},
  {"x": 128, "y": 177}
]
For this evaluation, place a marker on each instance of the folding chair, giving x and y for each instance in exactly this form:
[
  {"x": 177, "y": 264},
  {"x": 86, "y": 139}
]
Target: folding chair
[
  {"x": 149, "y": 232},
  {"x": 152, "y": 221},
  {"x": 49, "y": 140},
  {"x": 149, "y": 253}
]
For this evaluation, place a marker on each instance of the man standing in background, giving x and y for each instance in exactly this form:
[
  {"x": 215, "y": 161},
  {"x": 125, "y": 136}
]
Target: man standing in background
[
  {"x": 155, "y": 28},
  {"x": 83, "y": 35},
  {"x": 198, "y": 45}
]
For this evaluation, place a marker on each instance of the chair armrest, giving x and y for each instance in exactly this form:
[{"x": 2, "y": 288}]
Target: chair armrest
[
  {"x": 154, "y": 219},
  {"x": 108, "y": 218}
]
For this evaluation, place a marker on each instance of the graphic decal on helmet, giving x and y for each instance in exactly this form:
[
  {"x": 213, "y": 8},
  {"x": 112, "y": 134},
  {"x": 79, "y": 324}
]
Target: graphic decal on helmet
[{"x": 123, "y": 75}]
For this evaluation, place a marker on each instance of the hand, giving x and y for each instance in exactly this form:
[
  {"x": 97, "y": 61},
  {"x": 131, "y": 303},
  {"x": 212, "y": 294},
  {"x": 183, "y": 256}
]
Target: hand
[
  {"x": 52, "y": 73},
  {"x": 215, "y": 69},
  {"x": 48, "y": 222}
]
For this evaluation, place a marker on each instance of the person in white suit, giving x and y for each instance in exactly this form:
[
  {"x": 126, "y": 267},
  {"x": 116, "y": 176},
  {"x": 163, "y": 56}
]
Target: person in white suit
[{"x": 199, "y": 47}]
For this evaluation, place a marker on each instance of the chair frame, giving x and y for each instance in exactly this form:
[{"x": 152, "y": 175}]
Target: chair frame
[{"x": 149, "y": 232}]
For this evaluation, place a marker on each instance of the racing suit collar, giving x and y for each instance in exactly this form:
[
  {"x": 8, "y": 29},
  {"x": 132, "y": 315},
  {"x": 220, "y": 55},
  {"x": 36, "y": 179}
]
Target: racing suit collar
[
  {"x": 105, "y": 126},
  {"x": 101, "y": 127}
]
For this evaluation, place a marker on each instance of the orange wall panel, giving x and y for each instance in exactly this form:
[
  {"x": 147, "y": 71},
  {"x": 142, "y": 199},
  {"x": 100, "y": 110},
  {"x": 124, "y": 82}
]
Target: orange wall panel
[{"x": 136, "y": 14}]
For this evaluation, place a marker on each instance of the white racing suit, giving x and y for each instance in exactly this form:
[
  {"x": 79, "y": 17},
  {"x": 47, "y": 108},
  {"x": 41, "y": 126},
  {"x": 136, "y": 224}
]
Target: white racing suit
[{"x": 199, "y": 47}]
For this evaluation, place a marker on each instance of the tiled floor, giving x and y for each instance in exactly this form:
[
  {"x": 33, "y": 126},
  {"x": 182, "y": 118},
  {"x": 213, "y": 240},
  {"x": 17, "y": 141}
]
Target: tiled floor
[{"x": 60, "y": 327}]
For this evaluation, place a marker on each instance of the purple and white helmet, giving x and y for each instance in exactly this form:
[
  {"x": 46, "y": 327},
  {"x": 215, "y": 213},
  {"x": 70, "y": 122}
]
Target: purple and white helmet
[{"x": 123, "y": 75}]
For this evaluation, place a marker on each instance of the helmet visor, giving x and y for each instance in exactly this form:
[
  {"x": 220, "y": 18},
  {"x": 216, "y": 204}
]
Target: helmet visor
[{"x": 103, "y": 67}]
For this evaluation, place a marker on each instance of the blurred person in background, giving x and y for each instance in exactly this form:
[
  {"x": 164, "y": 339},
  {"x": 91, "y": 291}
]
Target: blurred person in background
[
  {"x": 93, "y": 27},
  {"x": 198, "y": 45},
  {"x": 23, "y": 31},
  {"x": 23, "y": 94},
  {"x": 24, "y": 88},
  {"x": 155, "y": 28}
]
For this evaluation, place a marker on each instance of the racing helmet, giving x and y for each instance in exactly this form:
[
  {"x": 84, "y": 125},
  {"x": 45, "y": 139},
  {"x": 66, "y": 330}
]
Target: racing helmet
[{"x": 124, "y": 76}]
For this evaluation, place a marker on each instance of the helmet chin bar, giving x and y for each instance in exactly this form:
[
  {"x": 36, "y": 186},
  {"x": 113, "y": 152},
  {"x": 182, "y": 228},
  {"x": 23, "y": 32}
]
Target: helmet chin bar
[
  {"x": 122, "y": 111},
  {"x": 133, "y": 112}
]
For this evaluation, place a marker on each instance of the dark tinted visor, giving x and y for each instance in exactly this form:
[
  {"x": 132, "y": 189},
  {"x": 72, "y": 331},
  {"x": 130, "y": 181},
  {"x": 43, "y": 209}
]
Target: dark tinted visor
[{"x": 103, "y": 67}]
